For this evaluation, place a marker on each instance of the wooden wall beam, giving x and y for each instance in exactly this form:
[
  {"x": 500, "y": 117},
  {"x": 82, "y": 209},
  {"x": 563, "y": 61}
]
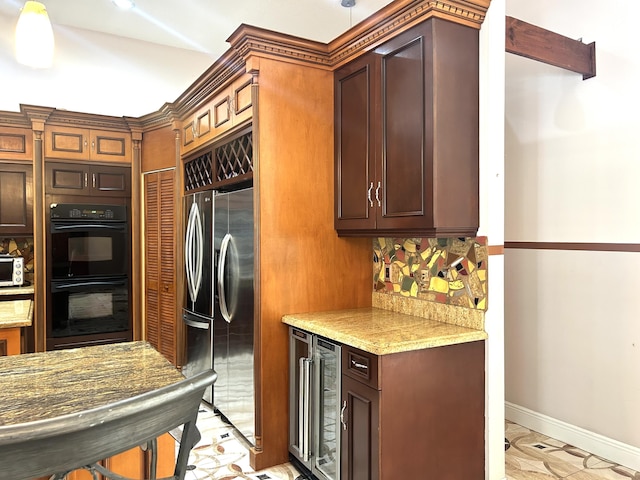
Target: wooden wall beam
[{"x": 549, "y": 47}]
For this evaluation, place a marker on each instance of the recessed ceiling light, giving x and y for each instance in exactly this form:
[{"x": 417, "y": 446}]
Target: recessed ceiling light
[{"x": 123, "y": 4}]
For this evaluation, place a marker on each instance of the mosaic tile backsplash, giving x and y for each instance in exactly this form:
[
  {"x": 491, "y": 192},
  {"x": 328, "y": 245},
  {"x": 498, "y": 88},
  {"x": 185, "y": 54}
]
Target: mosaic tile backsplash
[
  {"x": 443, "y": 270},
  {"x": 20, "y": 247}
]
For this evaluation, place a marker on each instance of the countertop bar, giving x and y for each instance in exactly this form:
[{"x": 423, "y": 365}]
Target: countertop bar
[
  {"x": 381, "y": 331},
  {"x": 15, "y": 313},
  {"x": 5, "y": 291},
  {"x": 40, "y": 386}
]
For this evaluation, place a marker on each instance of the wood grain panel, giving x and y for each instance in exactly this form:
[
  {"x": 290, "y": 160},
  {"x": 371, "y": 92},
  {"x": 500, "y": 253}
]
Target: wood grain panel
[
  {"x": 158, "y": 149},
  {"x": 10, "y": 337},
  {"x": 531, "y": 41},
  {"x": 16, "y": 144},
  {"x": 295, "y": 229}
]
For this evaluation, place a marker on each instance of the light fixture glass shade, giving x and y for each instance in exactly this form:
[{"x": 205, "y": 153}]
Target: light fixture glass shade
[
  {"x": 123, "y": 4},
  {"x": 34, "y": 36}
]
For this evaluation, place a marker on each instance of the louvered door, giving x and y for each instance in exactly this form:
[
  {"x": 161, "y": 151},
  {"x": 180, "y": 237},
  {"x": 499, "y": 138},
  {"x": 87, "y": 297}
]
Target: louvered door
[{"x": 160, "y": 263}]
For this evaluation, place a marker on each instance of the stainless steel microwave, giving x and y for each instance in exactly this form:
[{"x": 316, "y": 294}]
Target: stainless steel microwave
[{"x": 11, "y": 271}]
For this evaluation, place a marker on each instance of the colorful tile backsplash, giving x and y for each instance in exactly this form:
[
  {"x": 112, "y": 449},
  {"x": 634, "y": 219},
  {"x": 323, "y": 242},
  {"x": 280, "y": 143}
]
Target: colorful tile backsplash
[{"x": 444, "y": 270}]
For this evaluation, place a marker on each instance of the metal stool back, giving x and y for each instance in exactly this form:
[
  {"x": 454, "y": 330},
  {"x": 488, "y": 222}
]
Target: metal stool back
[{"x": 82, "y": 439}]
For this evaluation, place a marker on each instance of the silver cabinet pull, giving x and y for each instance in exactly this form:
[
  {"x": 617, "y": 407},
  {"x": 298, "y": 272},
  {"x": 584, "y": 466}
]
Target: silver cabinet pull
[
  {"x": 377, "y": 193},
  {"x": 369, "y": 194},
  {"x": 93, "y": 180},
  {"x": 86, "y": 180},
  {"x": 344, "y": 407}
]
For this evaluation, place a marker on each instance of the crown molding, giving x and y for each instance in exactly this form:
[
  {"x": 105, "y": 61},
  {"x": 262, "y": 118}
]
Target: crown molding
[{"x": 247, "y": 41}]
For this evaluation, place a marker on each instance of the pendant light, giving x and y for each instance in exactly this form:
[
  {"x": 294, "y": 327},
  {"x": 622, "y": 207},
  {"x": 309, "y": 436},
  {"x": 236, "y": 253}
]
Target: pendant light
[{"x": 34, "y": 36}]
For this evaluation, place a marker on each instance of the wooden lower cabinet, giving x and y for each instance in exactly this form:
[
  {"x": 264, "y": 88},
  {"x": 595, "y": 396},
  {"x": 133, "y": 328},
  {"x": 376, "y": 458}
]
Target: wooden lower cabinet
[
  {"x": 134, "y": 463},
  {"x": 360, "y": 447},
  {"x": 10, "y": 341},
  {"x": 416, "y": 414}
]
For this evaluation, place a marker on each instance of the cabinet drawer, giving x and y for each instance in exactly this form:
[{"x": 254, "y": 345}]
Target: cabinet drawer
[{"x": 360, "y": 365}]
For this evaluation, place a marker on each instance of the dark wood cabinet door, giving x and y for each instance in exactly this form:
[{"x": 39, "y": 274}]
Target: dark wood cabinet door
[
  {"x": 111, "y": 181},
  {"x": 16, "y": 199},
  {"x": 355, "y": 176},
  {"x": 360, "y": 439},
  {"x": 86, "y": 179},
  {"x": 406, "y": 92},
  {"x": 407, "y": 131}
]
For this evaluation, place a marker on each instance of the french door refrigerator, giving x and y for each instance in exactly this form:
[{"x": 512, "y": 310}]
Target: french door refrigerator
[
  {"x": 233, "y": 348},
  {"x": 197, "y": 313}
]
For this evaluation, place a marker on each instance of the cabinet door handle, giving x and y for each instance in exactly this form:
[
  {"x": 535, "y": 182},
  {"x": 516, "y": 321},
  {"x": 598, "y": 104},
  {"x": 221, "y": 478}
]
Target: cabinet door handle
[
  {"x": 377, "y": 193},
  {"x": 93, "y": 180},
  {"x": 344, "y": 407},
  {"x": 93, "y": 145},
  {"x": 86, "y": 180},
  {"x": 369, "y": 194}
]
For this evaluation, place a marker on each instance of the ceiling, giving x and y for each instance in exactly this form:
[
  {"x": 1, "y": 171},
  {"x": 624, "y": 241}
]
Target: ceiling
[{"x": 204, "y": 25}]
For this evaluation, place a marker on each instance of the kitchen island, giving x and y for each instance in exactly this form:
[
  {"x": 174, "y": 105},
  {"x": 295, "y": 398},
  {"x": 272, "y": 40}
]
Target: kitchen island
[
  {"x": 412, "y": 388},
  {"x": 65, "y": 409}
]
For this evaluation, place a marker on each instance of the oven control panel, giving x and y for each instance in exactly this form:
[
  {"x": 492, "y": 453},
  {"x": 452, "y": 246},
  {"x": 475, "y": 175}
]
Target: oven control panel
[{"x": 75, "y": 211}]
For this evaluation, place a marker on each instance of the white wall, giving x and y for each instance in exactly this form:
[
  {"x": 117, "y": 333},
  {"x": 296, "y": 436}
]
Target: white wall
[
  {"x": 492, "y": 225},
  {"x": 572, "y": 318},
  {"x": 98, "y": 73}
]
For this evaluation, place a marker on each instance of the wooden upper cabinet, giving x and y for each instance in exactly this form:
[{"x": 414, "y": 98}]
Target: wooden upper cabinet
[
  {"x": 228, "y": 109},
  {"x": 75, "y": 143},
  {"x": 16, "y": 199},
  {"x": 16, "y": 144},
  {"x": 406, "y": 135},
  {"x": 86, "y": 179}
]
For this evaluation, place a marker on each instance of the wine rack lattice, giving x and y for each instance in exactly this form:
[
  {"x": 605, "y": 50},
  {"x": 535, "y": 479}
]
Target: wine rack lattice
[
  {"x": 197, "y": 172},
  {"x": 234, "y": 158}
]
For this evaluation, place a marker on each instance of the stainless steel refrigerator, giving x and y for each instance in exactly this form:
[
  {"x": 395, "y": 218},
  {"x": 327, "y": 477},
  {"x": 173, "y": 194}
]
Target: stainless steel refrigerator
[
  {"x": 198, "y": 310},
  {"x": 234, "y": 391}
]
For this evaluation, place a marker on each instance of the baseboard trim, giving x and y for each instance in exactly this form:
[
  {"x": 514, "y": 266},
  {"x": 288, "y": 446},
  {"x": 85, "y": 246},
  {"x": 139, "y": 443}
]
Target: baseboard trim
[{"x": 605, "y": 447}]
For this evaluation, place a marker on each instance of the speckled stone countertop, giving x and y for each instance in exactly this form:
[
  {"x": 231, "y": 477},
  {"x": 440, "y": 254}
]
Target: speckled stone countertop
[
  {"x": 28, "y": 290},
  {"x": 38, "y": 386},
  {"x": 380, "y": 331},
  {"x": 15, "y": 313}
]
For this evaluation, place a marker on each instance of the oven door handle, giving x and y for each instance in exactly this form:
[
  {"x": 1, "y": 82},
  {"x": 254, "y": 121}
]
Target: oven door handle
[
  {"x": 57, "y": 287},
  {"x": 84, "y": 226}
]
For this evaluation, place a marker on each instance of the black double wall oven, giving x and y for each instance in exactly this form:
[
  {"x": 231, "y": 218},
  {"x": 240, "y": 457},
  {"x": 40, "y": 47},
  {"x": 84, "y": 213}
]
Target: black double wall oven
[{"x": 89, "y": 251}]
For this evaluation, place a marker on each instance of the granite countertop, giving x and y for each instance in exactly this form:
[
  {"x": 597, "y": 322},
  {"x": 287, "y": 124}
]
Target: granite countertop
[
  {"x": 28, "y": 290},
  {"x": 15, "y": 313},
  {"x": 380, "y": 331},
  {"x": 39, "y": 386}
]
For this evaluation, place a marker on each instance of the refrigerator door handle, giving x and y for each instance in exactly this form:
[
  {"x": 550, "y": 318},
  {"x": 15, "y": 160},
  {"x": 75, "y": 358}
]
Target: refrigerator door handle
[
  {"x": 194, "y": 324},
  {"x": 188, "y": 252},
  {"x": 222, "y": 294},
  {"x": 199, "y": 239}
]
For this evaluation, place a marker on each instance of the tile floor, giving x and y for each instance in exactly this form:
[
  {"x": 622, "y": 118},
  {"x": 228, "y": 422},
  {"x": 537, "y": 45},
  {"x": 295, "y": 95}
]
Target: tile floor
[
  {"x": 533, "y": 456},
  {"x": 222, "y": 454}
]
